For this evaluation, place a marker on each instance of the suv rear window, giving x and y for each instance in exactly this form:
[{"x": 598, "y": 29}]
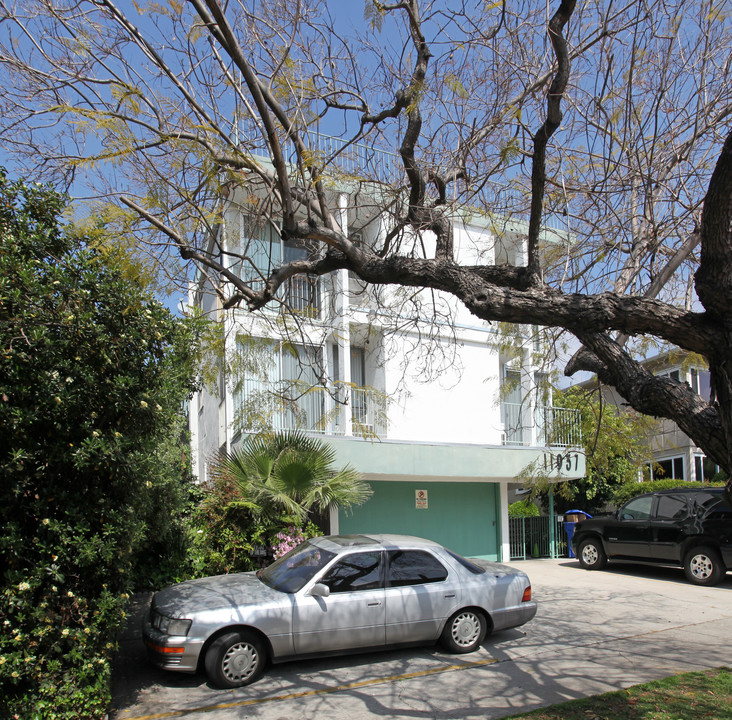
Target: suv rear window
[
  {"x": 713, "y": 506},
  {"x": 671, "y": 507},
  {"x": 719, "y": 511}
]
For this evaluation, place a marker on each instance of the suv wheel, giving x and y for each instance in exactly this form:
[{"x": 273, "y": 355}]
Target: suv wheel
[
  {"x": 703, "y": 566},
  {"x": 591, "y": 555}
]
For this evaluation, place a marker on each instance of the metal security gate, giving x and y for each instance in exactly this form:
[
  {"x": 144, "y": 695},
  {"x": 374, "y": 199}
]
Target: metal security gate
[{"x": 531, "y": 537}]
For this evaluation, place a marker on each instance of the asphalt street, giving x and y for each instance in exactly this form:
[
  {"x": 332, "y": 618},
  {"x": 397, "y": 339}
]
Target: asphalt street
[{"x": 593, "y": 632}]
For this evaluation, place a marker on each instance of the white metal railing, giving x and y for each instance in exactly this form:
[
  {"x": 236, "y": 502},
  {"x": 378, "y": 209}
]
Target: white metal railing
[
  {"x": 314, "y": 409},
  {"x": 559, "y": 427},
  {"x": 303, "y": 295},
  {"x": 368, "y": 412},
  {"x": 516, "y": 425},
  {"x": 363, "y": 161},
  {"x": 545, "y": 426}
]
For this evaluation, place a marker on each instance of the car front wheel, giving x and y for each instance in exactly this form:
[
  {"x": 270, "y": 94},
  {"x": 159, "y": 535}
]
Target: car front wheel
[
  {"x": 235, "y": 659},
  {"x": 591, "y": 555},
  {"x": 703, "y": 566},
  {"x": 464, "y": 631}
]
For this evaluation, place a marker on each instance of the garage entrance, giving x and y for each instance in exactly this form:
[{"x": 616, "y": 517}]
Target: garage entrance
[{"x": 463, "y": 517}]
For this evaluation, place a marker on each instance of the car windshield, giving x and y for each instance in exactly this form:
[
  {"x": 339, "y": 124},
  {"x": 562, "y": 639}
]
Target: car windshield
[{"x": 290, "y": 572}]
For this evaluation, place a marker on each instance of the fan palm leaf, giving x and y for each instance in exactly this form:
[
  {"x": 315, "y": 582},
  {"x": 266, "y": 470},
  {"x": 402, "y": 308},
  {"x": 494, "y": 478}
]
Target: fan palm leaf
[{"x": 293, "y": 473}]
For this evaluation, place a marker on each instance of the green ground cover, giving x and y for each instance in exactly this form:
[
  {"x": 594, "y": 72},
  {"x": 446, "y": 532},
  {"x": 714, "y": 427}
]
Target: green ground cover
[{"x": 705, "y": 695}]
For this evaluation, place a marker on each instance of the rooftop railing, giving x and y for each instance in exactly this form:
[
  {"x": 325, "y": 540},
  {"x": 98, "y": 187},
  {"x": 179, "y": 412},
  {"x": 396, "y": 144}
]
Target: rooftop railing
[{"x": 368, "y": 163}]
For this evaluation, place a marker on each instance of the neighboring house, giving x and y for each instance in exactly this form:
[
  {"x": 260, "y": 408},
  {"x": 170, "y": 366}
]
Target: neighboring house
[
  {"x": 675, "y": 454},
  {"x": 422, "y": 402}
]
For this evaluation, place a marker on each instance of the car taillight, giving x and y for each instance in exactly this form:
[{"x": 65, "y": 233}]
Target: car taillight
[{"x": 527, "y": 595}]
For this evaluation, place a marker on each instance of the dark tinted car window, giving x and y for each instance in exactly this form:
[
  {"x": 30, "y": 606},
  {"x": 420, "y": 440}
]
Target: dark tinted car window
[
  {"x": 706, "y": 499},
  {"x": 414, "y": 567},
  {"x": 290, "y": 572},
  {"x": 718, "y": 511},
  {"x": 466, "y": 563},
  {"x": 637, "y": 509},
  {"x": 671, "y": 507},
  {"x": 359, "y": 571}
]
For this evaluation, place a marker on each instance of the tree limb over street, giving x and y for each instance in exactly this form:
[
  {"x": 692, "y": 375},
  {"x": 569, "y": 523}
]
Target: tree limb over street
[{"x": 612, "y": 120}]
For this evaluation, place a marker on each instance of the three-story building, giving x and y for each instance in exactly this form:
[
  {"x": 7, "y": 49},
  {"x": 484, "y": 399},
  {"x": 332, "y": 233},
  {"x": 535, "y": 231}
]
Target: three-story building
[{"x": 421, "y": 397}]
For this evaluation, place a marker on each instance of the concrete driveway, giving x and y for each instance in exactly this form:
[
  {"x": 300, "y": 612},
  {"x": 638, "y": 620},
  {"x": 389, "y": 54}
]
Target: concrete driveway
[{"x": 594, "y": 632}]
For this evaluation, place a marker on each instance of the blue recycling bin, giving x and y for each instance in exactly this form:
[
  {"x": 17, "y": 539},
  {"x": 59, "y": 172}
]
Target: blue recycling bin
[{"x": 569, "y": 526}]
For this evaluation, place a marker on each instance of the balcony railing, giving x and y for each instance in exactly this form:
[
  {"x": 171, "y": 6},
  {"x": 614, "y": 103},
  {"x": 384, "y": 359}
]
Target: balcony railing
[
  {"x": 315, "y": 409},
  {"x": 368, "y": 412},
  {"x": 365, "y": 162},
  {"x": 543, "y": 426},
  {"x": 362, "y": 160},
  {"x": 303, "y": 295}
]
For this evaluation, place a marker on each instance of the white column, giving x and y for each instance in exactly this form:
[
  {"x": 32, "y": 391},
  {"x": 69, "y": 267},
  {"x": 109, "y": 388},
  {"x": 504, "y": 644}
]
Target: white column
[
  {"x": 503, "y": 514},
  {"x": 343, "y": 334},
  {"x": 334, "y": 521}
]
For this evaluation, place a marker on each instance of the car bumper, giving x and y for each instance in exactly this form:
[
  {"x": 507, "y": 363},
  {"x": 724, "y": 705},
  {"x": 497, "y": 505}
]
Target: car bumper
[
  {"x": 171, "y": 652},
  {"x": 513, "y": 616}
]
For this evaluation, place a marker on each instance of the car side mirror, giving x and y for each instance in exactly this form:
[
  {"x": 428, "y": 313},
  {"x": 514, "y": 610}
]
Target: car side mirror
[{"x": 320, "y": 590}]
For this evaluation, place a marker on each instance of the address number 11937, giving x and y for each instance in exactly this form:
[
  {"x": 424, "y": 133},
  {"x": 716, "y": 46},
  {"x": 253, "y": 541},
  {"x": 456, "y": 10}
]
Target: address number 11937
[{"x": 561, "y": 462}]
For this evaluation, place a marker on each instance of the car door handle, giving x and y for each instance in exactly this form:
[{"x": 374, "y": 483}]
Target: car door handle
[
  {"x": 449, "y": 595},
  {"x": 374, "y": 604}
]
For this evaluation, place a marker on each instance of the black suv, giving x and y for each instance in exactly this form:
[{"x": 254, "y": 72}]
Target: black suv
[{"x": 687, "y": 527}]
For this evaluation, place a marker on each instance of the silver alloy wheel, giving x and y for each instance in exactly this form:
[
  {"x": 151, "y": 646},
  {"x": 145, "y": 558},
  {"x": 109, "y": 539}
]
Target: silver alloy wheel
[
  {"x": 701, "y": 566},
  {"x": 466, "y": 628},
  {"x": 239, "y": 662},
  {"x": 590, "y": 554}
]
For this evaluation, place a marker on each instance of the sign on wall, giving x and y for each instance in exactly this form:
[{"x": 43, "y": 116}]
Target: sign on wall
[{"x": 421, "y": 499}]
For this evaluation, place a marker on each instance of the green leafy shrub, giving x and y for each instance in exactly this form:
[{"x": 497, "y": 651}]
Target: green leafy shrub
[
  {"x": 231, "y": 534},
  {"x": 263, "y": 496},
  {"x": 93, "y": 375},
  {"x": 631, "y": 490},
  {"x": 523, "y": 508}
]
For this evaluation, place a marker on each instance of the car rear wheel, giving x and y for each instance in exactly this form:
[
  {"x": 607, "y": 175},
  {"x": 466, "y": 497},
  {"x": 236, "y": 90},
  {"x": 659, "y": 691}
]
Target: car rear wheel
[
  {"x": 235, "y": 659},
  {"x": 464, "y": 631},
  {"x": 703, "y": 566},
  {"x": 591, "y": 555}
]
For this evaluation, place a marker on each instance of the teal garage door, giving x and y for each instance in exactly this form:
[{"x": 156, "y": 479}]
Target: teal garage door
[{"x": 463, "y": 517}]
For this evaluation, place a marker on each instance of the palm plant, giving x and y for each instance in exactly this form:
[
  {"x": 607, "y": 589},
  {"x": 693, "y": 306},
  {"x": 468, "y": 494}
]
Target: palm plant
[{"x": 291, "y": 473}]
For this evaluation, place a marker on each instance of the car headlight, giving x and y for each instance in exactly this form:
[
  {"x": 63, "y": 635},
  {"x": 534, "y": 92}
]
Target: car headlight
[{"x": 170, "y": 626}]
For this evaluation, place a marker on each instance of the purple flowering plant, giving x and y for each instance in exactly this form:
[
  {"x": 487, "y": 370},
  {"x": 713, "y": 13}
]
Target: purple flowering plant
[{"x": 286, "y": 540}]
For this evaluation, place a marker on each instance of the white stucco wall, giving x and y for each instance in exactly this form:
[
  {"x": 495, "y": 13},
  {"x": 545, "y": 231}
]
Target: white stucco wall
[{"x": 458, "y": 405}]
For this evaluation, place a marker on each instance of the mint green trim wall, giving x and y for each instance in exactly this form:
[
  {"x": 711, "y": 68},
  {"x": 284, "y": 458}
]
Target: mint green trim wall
[
  {"x": 464, "y": 517},
  {"x": 391, "y": 459}
]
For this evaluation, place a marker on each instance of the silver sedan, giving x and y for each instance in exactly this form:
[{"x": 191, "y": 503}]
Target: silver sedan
[{"x": 333, "y": 594}]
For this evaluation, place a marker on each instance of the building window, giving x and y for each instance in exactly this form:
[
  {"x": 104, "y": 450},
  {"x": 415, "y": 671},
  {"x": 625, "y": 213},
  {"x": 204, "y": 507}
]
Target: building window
[
  {"x": 672, "y": 374},
  {"x": 512, "y": 408},
  {"x": 669, "y": 468},
  {"x": 359, "y": 396},
  {"x": 704, "y": 468},
  {"x": 701, "y": 383},
  {"x": 280, "y": 388},
  {"x": 263, "y": 250}
]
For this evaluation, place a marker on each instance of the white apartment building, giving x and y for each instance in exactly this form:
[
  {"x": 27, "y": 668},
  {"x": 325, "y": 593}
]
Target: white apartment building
[{"x": 411, "y": 389}]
